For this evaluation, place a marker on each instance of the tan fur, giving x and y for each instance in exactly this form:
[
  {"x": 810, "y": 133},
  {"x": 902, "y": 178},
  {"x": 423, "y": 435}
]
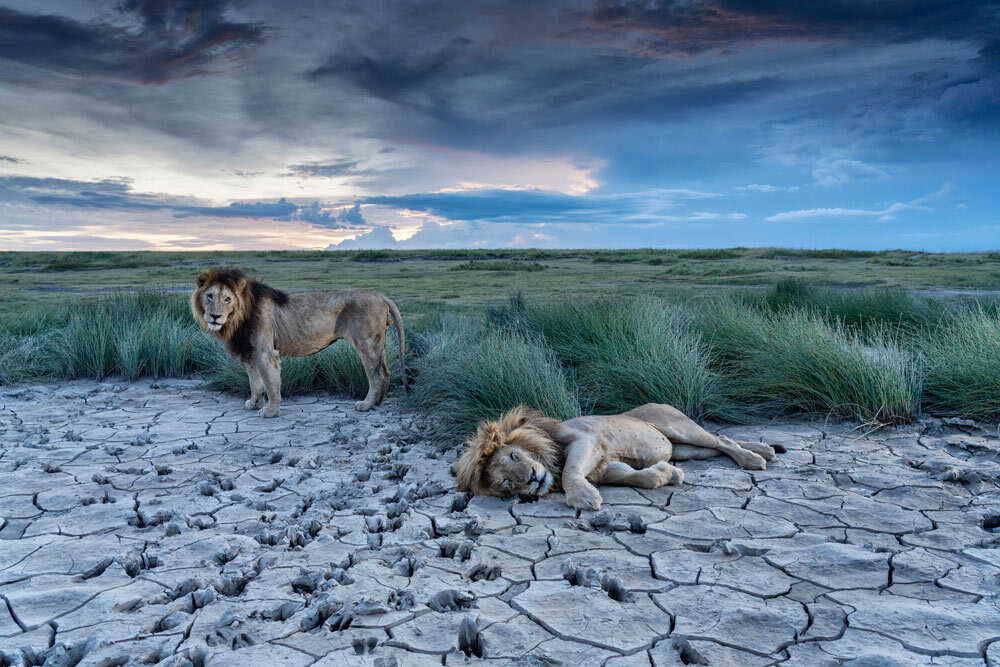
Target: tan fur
[
  {"x": 526, "y": 453},
  {"x": 259, "y": 325}
]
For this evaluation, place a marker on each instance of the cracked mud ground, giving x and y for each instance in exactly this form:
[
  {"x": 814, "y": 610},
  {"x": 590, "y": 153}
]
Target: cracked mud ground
[{"x": 162, "y": 524}]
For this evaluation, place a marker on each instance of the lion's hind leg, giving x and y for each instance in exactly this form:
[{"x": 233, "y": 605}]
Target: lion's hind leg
[
  {"x": 681, "y": 430},
  {"x": 372, "y": 353},
  {"x": 653, "y": 477}
]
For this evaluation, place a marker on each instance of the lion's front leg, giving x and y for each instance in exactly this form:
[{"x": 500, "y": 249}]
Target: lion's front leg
[
  {"x": 256, "y": 387},
  {"x": 653, "y": 477},
  {"x": 269, "y": 367},
  {"x": 583, "y": 455}
]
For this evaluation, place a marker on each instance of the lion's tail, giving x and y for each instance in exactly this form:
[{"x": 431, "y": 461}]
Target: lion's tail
[{"x": 398, "y": 320}]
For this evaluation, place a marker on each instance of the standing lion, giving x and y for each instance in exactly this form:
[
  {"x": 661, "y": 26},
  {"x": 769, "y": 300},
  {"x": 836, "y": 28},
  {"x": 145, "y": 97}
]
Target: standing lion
[
  {"x": 259, "y": 325},
  {"x": 528, "y": 454}
]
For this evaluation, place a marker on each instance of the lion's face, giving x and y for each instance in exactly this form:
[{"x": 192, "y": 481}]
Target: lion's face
[
  {"x": 513, "y": 470},
  {"x": 218, "y": 303},
  {"x": 515, "y": 455}
]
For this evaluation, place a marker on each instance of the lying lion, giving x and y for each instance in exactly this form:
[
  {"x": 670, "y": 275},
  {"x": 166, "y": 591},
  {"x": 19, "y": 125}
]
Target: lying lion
[
  {"x": 529, "y": 454},
  {"x": 259, "y": 325}
]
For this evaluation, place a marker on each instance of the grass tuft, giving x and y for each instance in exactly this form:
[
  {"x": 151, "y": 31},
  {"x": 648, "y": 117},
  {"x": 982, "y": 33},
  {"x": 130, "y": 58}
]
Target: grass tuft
[
  {"x": 963, "y": 366},
  {"x": 470, "y": 373},
  {"x": 800, "y": 363},
  {"x": 498, "y": 266}
]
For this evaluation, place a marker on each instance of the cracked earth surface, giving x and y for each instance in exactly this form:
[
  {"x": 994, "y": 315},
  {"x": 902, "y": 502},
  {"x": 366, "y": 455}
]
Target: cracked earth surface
[{"x": 162, "y": 524}]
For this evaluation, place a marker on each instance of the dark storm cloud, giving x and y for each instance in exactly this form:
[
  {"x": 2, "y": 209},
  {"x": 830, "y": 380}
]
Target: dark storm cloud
[
  {"x": 387, "y": 76},
  {"x": 278, "y": 210},
  {"x": 168, "y": 39},
  {"x": 32, "y": 183},
  {"x": 114, "y": 194},
  {"x": 685, "y": 27},
  {"x": 347, "y": 218},
  {"x": 325, "y": 169},
  {"x": 536, "y": 205}
]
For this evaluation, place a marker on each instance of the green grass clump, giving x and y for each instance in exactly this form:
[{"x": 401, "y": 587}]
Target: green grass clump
[
  {"x": 24, "y": 358},
  {"x": 628, "y": 352},
  {"x": 161, "y": 345},
  {"x": 797, "y": 362},
  {"x": 963, "y": 366},
  {"x": 711, "y": 253},
  {"x": 469, "y": 373},
  {"x": 498, "y": 266},
  {"x": 862, "y": 307}
]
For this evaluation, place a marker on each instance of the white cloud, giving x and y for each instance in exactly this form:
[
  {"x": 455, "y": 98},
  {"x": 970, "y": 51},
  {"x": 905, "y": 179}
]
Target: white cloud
[
  {"x": 831, "y": 172},
  {"x": 757, "y": 187},
  {"x": 883, "y": 215}
]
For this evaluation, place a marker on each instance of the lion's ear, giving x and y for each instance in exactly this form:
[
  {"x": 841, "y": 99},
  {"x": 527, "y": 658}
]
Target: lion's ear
[
  {"x": 202, "y": 278},
  {"x": 242, "y": 285}
]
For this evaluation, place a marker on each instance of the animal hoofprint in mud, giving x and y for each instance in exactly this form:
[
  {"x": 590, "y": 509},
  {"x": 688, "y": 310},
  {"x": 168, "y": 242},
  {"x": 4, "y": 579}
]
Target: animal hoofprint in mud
[
  {"x": 259, "y": 325},
  {"x": 526, "y": 453}
]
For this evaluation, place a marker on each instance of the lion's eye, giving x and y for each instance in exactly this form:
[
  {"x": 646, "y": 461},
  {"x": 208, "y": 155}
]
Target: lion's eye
[
  {"x": 512, "y": 457},
  {"x": 228, "y": 299},
  {"x": 208, "y": 296}
]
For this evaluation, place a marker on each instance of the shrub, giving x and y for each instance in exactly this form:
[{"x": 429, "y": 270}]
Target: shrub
[
  {"x": 498, "y": 266},
  {"x": 711, "y": 253}
]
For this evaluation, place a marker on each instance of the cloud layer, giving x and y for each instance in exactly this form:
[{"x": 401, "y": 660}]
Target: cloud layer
[{"x": 604, "y": 122}]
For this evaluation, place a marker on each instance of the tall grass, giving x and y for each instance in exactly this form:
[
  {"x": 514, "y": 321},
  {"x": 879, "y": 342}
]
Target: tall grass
[
  {"x": 629, "y": 352},
  {"x": 470, "y": 372},
  {"x": 152, "y": 334},
  {"x": 879, "y": 356},
  {"x": 861, "y": 308},
  {"x": 798, "y": 362},
  {"x": 963, "y": 366}
]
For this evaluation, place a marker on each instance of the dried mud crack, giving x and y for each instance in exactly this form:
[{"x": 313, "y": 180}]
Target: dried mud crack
[{"x": 161, "y": 524}]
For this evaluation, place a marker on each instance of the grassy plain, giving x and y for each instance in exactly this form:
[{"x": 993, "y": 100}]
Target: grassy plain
[{"x": 733, "y": 334}]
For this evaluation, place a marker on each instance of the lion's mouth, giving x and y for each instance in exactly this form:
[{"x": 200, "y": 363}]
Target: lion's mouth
[{"x": 213, "y": 326}]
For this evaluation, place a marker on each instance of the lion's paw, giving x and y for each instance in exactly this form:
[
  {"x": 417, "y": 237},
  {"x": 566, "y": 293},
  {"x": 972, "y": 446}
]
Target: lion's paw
[
  {"x": 267, "y": 412},
  {"x": 363, "y": 406},
  {"x": 661, "y": 474},
  {"x": 763, "y": 450},
  {"x": 677, "y": 476},
  {"x": 584, "y": 498},
  {"x": 251, "y": 404},
  {"x": 751, "y": 461}
]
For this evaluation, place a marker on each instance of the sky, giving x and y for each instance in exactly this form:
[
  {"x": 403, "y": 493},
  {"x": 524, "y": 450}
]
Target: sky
[{"x": 237, "y": 124}]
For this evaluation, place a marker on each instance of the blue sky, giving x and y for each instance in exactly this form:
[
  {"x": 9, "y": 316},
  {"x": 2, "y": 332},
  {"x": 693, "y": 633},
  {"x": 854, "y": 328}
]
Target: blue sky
[{"x": 198, "y": 124}]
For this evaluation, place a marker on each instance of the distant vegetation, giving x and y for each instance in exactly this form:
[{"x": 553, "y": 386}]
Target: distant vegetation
[{"x": 481, "y": 265}]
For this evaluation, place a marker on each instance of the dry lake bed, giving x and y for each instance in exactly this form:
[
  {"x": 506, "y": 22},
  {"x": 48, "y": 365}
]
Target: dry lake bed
[{"x": 160, "y": 523}]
